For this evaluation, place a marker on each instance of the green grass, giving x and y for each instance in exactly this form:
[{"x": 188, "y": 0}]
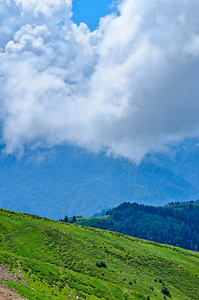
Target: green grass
[{"x": 58, "y": 260}]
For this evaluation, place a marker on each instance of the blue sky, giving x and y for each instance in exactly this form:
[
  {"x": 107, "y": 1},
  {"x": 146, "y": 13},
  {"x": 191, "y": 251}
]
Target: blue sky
[{"x": 90, "y": 11}]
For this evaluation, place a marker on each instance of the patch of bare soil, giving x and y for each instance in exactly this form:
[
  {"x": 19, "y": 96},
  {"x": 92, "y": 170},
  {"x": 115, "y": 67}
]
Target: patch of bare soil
[
  {"x": 5, "y": 274},
  {"x": 7, "y": 293}
]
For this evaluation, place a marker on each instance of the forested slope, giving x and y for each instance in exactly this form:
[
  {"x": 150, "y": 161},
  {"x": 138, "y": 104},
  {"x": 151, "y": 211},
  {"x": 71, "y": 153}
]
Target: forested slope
[{"x": 175, "y": 224}]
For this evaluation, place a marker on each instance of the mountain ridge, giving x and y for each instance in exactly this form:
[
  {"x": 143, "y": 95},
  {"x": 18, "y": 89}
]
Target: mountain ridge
[{"x": 73, "y": 181}]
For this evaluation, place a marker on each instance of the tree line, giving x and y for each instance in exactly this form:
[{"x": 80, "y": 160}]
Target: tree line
[{"x": 175, "y": 224}]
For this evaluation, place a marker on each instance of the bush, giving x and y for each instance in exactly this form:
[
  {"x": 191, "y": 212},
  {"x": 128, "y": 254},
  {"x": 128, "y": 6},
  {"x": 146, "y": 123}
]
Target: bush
[
  {"x": 165, "y": 291},
  {"x": 101, "y": 264},
  {"x": 25, "y": 269}
]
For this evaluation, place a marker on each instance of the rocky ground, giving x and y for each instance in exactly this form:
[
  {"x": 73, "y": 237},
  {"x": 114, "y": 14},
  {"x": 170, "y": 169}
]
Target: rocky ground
[{"x": 7, "y": 293}]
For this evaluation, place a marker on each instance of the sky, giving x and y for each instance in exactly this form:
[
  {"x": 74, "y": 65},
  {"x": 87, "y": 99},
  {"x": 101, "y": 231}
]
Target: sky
[
  {"x": 126, "y": 84},
  {"x": 90, "y": 12}
]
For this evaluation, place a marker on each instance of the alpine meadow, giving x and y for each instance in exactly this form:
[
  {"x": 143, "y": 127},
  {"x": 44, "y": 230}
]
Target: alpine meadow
[{"x": 56, "y": 260}]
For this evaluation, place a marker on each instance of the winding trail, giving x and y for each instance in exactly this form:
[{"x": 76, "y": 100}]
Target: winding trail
[{"x": 26, "y": 228}]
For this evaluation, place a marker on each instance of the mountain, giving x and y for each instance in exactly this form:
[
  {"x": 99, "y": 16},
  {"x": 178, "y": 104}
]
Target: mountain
[
  {"x": 182, "y": 159},
  {"x": 44, "y": 259},
  {"x": 68, "y": 180},
  {"x": 174, "y": 224}
]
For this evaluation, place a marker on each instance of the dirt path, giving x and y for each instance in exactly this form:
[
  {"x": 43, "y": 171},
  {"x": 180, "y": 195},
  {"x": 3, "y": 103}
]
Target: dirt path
[
  {"x": 26, "y": 228},
  {"x": 7, "y": 293}
]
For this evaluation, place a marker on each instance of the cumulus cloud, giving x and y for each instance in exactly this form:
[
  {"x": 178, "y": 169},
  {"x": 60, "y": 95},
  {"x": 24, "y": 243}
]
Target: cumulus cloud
[{"x": 129, "y": 87}]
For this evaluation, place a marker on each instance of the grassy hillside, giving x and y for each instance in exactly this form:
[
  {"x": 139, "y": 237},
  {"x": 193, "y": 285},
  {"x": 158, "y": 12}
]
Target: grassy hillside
[
  {"x": 176, "y": 224},
  {"x": 56, "y": 260}
]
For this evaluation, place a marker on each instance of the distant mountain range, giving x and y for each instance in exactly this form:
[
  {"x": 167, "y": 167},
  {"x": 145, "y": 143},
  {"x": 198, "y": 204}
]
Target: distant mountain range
[
  {"x": 182, "y": 159},
  {"x": 68, "y": 180}
]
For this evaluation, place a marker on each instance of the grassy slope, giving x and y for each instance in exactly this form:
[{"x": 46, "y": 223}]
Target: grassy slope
[{"x": 58, "y": 260}]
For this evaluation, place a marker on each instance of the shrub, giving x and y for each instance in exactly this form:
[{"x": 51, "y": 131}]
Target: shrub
[
  {"x": 101, "y": 264},
  {"x": 25, "y": 269},
  {"x": 165, "y": 291}
]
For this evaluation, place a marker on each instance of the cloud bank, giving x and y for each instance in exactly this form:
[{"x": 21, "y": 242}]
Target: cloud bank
[{"x": 127, "y": 88}]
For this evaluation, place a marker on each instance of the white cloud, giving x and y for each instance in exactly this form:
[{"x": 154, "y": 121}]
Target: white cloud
[{"x": 129, "y": 87}]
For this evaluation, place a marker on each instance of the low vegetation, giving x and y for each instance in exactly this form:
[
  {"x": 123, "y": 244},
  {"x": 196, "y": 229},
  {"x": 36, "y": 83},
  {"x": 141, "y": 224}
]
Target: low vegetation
[{"x": 58, "y": 260}]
